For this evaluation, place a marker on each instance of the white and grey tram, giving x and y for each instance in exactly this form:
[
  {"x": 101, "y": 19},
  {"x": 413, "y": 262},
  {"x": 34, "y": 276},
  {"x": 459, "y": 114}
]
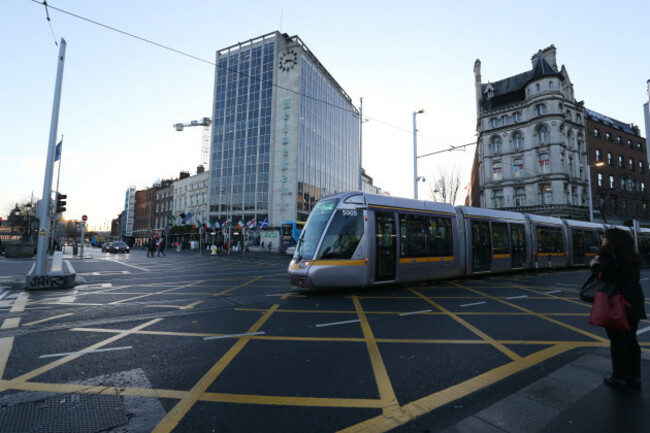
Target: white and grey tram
[{"x": 360, "y": 240}]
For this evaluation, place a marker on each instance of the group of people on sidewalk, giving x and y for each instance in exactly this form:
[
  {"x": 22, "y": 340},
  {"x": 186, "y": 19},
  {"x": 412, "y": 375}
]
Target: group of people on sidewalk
[{"x": 156, "y": 245}]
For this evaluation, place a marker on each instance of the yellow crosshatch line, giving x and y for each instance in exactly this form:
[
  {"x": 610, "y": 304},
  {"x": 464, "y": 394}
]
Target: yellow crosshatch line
[
  {"x": 393, "y": 414},
  {"x": 509, "y": 353}
]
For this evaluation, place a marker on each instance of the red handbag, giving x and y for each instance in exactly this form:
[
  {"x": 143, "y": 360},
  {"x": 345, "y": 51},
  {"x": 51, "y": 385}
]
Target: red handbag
[{"x": 609, "y": 311}]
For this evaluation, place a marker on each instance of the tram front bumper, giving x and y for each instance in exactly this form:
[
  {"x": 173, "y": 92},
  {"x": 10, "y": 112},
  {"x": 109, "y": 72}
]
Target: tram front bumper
[{"x": 300, "y": 281}]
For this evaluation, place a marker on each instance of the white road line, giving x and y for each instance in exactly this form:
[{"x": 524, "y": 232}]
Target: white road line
[
  {"x": 31, "y": 269},
  {"x": 641, "y": 331},
  {"x": 3, "y": 294},
  {"x": 475, "y": 303},
  {"x": 554, "y": 291},
  {"x": 125, "y": 264},
  {"x": 414, "y": 312},
  {"x": 233, "y": 335},
  {"x": 69, "y": 265},
  {"x": 518, "y": 297},
  {"x": 320, "y": 325},
  {"x": 83, "y": 352}
]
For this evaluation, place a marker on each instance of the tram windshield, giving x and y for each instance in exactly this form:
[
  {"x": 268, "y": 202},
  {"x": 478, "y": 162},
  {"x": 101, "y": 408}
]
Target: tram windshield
[
  {"x": 343, "y": 235},
  {"x": 314, "y": 228}
]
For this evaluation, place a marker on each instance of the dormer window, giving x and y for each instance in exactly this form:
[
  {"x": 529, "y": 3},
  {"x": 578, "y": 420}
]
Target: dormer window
[{"x": 489, "y": 91}]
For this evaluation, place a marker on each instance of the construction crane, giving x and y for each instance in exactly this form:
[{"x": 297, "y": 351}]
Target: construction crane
[{"x": 205, "y": 123}]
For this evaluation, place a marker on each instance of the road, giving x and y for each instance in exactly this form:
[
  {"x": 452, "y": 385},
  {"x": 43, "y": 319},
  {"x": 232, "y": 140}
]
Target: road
[{"x": 194, "y": 343}]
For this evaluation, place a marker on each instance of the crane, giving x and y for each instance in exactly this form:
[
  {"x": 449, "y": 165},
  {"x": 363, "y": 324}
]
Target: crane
[{"x": 205, "y": 123}]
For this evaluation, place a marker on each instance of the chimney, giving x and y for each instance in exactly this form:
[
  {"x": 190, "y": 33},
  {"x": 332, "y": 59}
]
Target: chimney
[
  {"x": 548, "y": 53},
  {"x": 200, "y": 169}
]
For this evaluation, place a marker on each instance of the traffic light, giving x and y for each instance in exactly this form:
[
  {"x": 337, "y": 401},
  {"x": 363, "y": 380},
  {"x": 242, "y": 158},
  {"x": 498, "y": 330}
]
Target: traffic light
[
  {"x": 0, "y": 221},
  {"x": 60, "y": 203}
]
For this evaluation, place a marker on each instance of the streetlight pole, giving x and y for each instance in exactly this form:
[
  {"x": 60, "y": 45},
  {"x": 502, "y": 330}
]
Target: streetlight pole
[
  {"x": 415, "y": 155},
  {"x": 591, "y": 203},
  {"x": 360, "y": 144}
]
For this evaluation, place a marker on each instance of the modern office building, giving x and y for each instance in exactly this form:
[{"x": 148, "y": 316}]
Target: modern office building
[
  {"x": 285, "y": 133},
  {"x": 129, "y": 213},
  {"x": 531, "y": 148}
]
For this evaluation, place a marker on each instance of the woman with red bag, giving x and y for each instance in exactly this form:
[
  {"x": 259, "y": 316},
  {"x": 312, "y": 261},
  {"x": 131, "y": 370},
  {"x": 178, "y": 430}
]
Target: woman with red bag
[{"x": 619, "y": 265}]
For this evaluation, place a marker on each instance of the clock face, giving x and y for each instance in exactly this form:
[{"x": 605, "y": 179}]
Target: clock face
[{"x": 288, "y": 60}]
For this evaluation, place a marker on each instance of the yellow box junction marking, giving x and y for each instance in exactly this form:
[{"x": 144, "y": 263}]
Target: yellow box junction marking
[
  {"x": 509, "y": 353},
  {"x": 386, "y": 392},
  {"x": 36, "y": 322},
  {"x": 181, "y": 408}
]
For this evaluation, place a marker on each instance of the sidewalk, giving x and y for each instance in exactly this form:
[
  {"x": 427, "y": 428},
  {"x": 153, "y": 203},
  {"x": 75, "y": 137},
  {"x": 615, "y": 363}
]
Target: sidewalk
[{"x": 571, "y": 399}]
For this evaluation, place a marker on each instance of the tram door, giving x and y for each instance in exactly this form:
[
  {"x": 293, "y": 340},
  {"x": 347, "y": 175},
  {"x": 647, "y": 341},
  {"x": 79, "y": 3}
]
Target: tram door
[
  {"x": 385, "y": 246},
  {"x": 518, "y": 245},
  {"x": 578, "y": 238},
  {"x": 481, "y": 246}
]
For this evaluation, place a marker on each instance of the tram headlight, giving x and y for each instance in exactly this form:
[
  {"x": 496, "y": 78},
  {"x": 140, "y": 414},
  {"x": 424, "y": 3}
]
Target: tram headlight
[{"x": 303, "y": 264}]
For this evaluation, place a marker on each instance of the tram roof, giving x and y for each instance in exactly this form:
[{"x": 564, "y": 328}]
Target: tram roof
[
  {"x": 396, "y": 202},
  {"x": 491, "y": 213},
  {"x": 584, "y": 224},
  {"x": 539, "y": 219}
]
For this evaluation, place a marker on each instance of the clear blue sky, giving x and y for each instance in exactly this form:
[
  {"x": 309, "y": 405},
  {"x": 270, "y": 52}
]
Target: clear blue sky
[{"x": 121, "y": 96}]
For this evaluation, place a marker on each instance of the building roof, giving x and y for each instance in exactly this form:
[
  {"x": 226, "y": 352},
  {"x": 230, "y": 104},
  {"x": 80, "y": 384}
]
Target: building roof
[
  {"x": 608, "y": 121},
  {"x": 511, "y": 89}
]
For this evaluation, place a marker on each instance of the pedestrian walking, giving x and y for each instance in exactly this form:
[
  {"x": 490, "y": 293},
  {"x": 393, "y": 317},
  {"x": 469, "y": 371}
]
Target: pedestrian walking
[
  {"x": 270, "y": 246},
  {"x": 262, "y": 247},
  {"x": 161, "y": 247},
  {"x": 619, "y": 264},
  {"x": 151, "y": 247}
]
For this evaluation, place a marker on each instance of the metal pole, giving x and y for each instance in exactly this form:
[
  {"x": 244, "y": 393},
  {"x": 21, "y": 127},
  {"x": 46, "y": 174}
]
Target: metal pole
[
  {"x": 361, "y": 144},
  {"x": 83, "y": 238},
  {"x": 41, "y": 251},
  {"x": 591, "y": 205},
  {"x": 415, "y": 159}
]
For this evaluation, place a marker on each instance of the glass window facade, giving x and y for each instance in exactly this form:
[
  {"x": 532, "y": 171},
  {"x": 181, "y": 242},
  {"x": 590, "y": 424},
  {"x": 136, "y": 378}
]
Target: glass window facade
[
  {"x": 242, "y": 132},
  {"x": 328, "y": 139}
]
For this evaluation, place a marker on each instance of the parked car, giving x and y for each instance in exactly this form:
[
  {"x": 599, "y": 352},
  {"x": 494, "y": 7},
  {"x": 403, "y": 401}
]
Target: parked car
[
  {"x": 106, "y": 246},
  {"x": 290, "y": 250},
  {"x": 118, "y": 247}
]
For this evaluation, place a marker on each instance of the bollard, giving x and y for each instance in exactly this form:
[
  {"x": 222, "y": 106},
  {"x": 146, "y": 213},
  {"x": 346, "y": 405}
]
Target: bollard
[
  {"x": 213, "y": 250},
  {"x": 57, "y": 262},
  {"x": 550, "y": 263}
]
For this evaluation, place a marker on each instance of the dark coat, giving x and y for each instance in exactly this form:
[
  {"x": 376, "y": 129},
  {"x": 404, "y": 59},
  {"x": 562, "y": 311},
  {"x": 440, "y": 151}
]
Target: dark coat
[{"x": 625, "y": 276}]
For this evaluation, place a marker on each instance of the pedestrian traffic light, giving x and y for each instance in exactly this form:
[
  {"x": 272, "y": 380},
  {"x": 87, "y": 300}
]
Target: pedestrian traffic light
[{"x": 60, "y": 203}]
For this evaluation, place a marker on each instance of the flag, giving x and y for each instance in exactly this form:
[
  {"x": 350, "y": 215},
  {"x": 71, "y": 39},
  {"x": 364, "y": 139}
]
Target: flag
[
  {"x": 57, "y": 151},
  {"x": 187, "y": 217},
  {"x": 207, "y": 224},
  {"x": 227, "y": 223},
  {"x": 171, "y": 217},
  {"x": 251, "y": 224},
  {"x": 196, "y": 224},
  {"x": 217, "y": 224},
  {"x": 264, "y": 223},
  {"x": 240, "y": 225}
]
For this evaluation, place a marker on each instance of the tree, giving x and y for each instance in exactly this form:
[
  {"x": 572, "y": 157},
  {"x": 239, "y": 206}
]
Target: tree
[{"x": 446, "y": 187}]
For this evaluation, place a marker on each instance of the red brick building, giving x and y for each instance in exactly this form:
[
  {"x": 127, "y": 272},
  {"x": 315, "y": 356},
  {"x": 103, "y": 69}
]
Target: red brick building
[{"x": 620, "y": 185}]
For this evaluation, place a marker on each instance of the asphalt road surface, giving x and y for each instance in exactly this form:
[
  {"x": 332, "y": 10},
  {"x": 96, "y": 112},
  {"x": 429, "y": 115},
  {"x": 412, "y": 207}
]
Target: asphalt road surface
[{"x": 198, "y": 343}]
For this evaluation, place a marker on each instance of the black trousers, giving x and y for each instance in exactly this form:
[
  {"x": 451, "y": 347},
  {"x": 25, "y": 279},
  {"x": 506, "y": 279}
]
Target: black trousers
[{"x": 625, "y": 351}]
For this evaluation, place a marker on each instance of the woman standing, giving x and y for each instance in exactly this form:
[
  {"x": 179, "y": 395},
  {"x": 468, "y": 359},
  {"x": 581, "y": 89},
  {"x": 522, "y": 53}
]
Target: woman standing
[{"x": 619, "y": 264}]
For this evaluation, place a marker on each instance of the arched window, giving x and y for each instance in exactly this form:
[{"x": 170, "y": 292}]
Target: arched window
[
  {"x": 537, "y": 87},
  {"x": 541, "y": 109},
  {"x": 494, "y": 122},
  {"x": 520, "y": 197},
  {"x": 542, "y": 134},
  {"x": 550, "y": 85},
  {"x": 497, "y": 197},
  {"x": 517, "y": 140},
  {"x": 495, "y": 145},
  {"x": 516, "y": 117}
]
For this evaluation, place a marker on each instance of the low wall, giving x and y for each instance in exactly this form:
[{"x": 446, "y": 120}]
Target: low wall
[{"x": 19, "y": 249}]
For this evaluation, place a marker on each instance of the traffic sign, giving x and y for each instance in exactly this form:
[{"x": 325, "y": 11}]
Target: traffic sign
[{"x": 84, "y": 218}]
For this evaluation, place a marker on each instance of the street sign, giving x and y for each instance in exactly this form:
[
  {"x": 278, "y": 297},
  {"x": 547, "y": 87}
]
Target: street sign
[
  {"x": 84, "y": 218},
  {"x": 42, "y": 233}
]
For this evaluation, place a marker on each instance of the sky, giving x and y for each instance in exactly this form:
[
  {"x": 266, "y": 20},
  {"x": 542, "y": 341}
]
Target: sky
[{"x": 121, "y": 96}]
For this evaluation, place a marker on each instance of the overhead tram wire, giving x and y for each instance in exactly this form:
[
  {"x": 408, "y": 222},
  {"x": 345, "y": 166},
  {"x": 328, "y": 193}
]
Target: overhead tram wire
[
  {"x": 47, "y": 16},
  {"x": 243, "y": 74}
]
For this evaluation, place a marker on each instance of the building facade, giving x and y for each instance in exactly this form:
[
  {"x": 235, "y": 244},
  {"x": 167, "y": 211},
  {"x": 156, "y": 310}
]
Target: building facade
[
  {"x": 531, "y": 148},
  {"x": 191, "y": 196},
  {"x": 284, "y": 132},
  {"x": 128, "y": 215},
  {"x": 143, "y": 222},
  {"x": 620, "y": 181},
  {"x": 163, "y": 217}
]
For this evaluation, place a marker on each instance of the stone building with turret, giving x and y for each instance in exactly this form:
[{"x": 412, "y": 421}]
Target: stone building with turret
[{"x": 531, "y": 148}]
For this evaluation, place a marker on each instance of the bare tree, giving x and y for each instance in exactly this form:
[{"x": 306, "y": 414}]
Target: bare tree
[{"x": 447, "y": 185}]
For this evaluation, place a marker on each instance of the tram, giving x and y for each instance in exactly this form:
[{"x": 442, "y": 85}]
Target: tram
[{"x": 359, "y": 240}]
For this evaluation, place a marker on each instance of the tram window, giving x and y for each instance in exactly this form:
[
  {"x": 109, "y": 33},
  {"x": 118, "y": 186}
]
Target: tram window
[
  {"x": 343, "y": 235},
  {"x": 500, "y": 239},
  {"x": 440, "y": 237},
  {"x": 591, "y": 242},
  {"x": 549, "y": 240},
  {"x": 413, "y": 235}
]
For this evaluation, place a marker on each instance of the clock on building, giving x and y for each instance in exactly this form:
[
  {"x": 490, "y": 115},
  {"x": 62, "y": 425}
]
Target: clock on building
[{"x": 288, "y": 60}]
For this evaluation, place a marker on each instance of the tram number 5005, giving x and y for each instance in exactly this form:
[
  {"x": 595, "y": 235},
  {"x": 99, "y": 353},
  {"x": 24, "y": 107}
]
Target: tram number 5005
[{"x": 349, "y": 212}]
